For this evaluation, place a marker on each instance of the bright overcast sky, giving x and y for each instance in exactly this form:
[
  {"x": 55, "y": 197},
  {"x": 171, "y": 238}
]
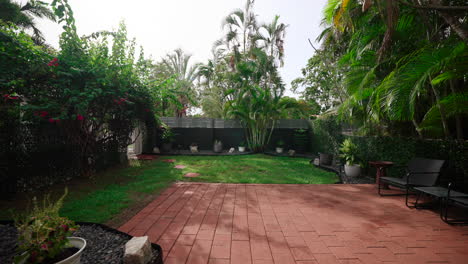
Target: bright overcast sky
[{"x": 193, "y": 25}]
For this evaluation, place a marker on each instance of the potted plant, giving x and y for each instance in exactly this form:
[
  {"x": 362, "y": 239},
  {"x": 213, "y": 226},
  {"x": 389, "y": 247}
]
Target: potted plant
[
  {"x": 167, "y": 139},
  {"x": 242, "y": 146},
  {"x": 218, "y": 146},
  {"x": 349, "y": 153},
  {"x": 194, "y": 148},
  {"x": 44, "y": 236},
  {"x": 280, "y": 147}
]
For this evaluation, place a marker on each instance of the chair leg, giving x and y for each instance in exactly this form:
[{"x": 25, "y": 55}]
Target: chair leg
[
  {"x": 445, "y": 218},
  {"x": 379, "y": 191},
  {"x": 406, "y": 198}
]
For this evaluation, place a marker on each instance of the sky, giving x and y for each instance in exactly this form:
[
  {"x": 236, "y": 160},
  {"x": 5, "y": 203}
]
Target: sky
[{"x": 194, "y": 25}]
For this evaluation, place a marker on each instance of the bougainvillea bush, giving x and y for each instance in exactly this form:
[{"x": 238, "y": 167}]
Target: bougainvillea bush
[{"x": 95, "y": 89}]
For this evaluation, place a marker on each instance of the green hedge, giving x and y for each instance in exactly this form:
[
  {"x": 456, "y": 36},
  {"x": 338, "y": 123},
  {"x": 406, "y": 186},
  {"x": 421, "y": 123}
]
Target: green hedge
[{"x": 326, "y": 134}]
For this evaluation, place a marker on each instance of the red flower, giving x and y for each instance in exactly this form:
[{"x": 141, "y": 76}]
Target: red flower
[
  {"x": 64, "y": 227},
  {"x": 10, "y": 97},
  {"x": 51, "y": 120},
  {"x": 53, "y": 62},
  {"x": 43, "y": 113},
  {"x": 79, "y": 117},
  {"x": 44, "y": 247},
  {"x": 147, "y": 110}
]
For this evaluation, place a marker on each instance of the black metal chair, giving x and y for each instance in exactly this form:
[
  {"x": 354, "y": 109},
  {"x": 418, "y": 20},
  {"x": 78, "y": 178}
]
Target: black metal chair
[
  {"x": 419, "y": 172},
  {"x": 453, "y": 201}
]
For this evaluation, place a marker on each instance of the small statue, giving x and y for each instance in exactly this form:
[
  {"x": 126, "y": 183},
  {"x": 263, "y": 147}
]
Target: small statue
[
  {"x": 231, "y": 150},
  {"x": 156, "y": 150},
  {"x": 291, "y": 152}
]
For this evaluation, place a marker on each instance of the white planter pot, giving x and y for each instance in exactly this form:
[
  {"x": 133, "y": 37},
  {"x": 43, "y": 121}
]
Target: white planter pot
[
  {"x": 194, "y": 149},
  {"x": 76, "y": 242},
  {"x": 279, "y": 150},
  {"x": 241, "y": 149},
  {"x": 352, "y": 170}
]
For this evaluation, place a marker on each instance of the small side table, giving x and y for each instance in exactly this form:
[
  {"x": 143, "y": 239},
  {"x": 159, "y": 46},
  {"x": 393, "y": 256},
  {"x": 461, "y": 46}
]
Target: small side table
[{"x": 380, "y": 166}]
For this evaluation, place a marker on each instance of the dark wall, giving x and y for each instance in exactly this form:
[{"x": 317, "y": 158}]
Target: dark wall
[{"x": 230, "y": 137}]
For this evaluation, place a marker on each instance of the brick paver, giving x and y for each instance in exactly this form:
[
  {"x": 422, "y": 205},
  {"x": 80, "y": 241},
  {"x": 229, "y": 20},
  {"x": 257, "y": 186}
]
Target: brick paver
[{"x": 253, "y": 223}]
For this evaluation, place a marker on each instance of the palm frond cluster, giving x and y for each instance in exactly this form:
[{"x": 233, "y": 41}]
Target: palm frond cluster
[
  {"x": 242, "y": 79},
  {"x": 387, "y": 66}
]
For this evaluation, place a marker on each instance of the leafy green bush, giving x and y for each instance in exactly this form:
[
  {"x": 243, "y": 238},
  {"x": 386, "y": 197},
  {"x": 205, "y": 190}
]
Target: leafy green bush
[{"x": 327, "y": 134}]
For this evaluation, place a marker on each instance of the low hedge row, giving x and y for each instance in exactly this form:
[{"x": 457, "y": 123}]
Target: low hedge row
[{"x": 327, "y": 135}]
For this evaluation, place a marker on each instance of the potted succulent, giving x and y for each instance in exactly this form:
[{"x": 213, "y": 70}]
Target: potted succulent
[
  {"x": 349, "y": 153},
  {"x": 280, "y": 147},
  {"x": 242, "y": 146},
  {"x": 44, "y": 236},
  {"x": 194, "y": 148},
  {"x": 218, "y": 146},
  {"x": 167, "y": 139}
]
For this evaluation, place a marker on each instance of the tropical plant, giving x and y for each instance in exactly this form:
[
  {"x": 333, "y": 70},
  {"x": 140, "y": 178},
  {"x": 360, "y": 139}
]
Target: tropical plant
[
  {"x": 177, "y": 65},
  {"x": 349, "y": 152},
  {"x": 23, "y": 15},
  {"x": 43, "y": 232},
  {"x": 400, "y": 64}
]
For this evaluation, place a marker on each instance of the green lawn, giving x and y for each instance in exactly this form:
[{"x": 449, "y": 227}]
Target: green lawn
[
  {"x": 254, "y": 169},
  {"x": 112, "y": 192}
]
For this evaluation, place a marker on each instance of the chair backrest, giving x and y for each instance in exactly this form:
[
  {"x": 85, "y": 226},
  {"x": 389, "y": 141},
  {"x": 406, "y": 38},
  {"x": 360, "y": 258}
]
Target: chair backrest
[{"x": 430, "y": 167}]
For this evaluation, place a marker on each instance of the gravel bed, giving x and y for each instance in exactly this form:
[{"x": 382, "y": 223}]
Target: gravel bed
[
  {"x": 102, "y": 246},
  {"x": 8, "y": 242}
]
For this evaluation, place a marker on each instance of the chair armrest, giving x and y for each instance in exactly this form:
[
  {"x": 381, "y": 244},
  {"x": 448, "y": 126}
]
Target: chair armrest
[{"x": 422, "y": 172}]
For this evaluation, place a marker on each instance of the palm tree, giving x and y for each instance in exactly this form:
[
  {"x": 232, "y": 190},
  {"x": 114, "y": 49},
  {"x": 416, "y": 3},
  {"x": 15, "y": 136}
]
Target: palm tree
[
  {"x": 178, "y": 65},
  {"x": 24, "y": 15},
  {"x": 273, "y": 41},
  {"x": 241, "y": 25}
]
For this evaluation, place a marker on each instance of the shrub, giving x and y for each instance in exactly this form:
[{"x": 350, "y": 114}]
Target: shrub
[{"x": 42, "y": 232}]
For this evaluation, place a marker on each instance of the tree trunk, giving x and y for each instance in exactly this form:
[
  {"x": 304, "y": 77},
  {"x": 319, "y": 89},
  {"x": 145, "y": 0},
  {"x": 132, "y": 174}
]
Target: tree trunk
[
  {"x": 453, "y": 21},
  {"x": 442, "y": 112},
  {"x": 458, "y": 120},
  {"x": 416, "y": 126}
]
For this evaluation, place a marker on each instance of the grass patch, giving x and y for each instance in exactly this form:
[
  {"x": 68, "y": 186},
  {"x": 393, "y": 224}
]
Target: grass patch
[
  {"x": 108, "y": 194},
  {"x": 257, "y": 168},
  {"x": 114, "y": 191}
]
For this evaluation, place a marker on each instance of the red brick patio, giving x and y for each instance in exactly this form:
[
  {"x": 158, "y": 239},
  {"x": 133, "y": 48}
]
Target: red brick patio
[{"x": 260, "y": 224}]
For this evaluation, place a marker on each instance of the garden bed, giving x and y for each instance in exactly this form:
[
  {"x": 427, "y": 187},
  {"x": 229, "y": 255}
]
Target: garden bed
[
  {"x": 104, "y": 244},
  {"x": 203, "y": 153}
]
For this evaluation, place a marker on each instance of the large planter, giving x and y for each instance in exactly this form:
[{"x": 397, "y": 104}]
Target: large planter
[
  {"x": 218, "y": 147},
  {"x": 325, "y": 159},
  {"x": 76, "y": 242},
  {"x": 279, "y": 150},
  {"x": 167, "y": 147},
  {"x": 352, "y": 170},
  {"x": 241, "y": 149}
]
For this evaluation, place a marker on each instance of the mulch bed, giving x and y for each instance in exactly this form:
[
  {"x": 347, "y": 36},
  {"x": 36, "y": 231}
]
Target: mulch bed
[{"x": 104, "y": 245}]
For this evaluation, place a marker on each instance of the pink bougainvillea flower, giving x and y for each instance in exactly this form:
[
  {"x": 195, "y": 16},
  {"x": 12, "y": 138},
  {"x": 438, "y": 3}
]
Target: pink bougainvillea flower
[
  {"x": 43, "y": 113},
  {"x": 79, "y": 117},
  {"x": 14, "y": 97},
  {"x": 53, "y": 62},
  {"x": 64, "y": 227},
  {"x": 51, "y": 120},
  {"x": 44, "y": 247},
  {"x": 147, "y": 110}
]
